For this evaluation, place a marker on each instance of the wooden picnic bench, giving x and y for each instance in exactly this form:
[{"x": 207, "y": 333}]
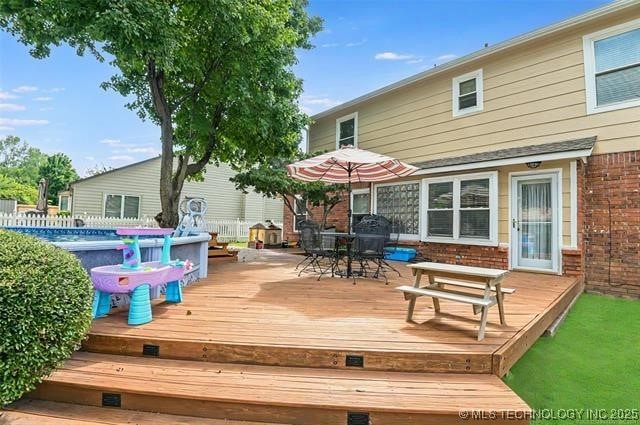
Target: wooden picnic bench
[
  {"x": 218, "y": 249},
  {"x": 468, "y": 278}
]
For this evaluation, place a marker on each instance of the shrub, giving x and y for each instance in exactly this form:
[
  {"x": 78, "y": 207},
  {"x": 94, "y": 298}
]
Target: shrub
[
  {"x": 45, "y": 311},
  {"x": 64, "y": 214}
]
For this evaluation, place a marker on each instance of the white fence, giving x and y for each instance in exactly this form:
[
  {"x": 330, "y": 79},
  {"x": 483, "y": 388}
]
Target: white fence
[{"x": 228, "y": 230}]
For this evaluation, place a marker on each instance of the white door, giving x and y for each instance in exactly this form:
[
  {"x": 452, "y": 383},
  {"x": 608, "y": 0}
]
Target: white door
[{"x": 535, "y": 222}]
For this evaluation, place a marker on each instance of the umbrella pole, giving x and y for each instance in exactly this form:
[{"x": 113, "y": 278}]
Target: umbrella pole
[
  {"x": 350, "y": 241},
  {"x": 349, "y": 203}
]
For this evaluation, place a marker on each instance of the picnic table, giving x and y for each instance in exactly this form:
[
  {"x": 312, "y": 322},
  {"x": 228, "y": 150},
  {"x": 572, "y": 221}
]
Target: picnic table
[{"x": 468, "y": 282}]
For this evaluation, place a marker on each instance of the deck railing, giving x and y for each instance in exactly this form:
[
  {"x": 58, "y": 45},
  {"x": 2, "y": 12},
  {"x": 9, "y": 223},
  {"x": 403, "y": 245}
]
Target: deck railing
[{"x": 228, "y": 230}]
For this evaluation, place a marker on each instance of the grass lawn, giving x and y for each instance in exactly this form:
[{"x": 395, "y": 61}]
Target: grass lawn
[
  {"x": 593, "y": 362},
  {"x": 238, "y": 245}
]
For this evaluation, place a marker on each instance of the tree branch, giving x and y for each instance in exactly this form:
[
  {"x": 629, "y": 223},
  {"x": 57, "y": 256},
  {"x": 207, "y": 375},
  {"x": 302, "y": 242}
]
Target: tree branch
[{"x": 212, "y": 142}]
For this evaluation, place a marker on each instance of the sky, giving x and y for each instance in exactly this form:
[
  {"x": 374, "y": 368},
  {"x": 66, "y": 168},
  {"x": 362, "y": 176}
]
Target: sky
[{"x": 57, "y": 105}]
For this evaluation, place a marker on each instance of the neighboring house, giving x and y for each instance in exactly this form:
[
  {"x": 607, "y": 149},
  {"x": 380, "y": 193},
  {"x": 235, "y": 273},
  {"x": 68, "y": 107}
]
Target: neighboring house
[
  {"x": 133, "y": 191},
  {"x": 529, "y": 152}
]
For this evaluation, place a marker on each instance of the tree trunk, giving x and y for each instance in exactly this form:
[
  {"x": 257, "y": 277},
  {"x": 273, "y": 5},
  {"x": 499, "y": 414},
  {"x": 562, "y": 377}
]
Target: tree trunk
[{"x": 169, "y": 197}]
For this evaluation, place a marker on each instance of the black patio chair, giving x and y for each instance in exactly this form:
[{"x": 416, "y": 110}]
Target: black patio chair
[
  {"x": 316, "y": 255},
  {"x": 380, "y": 225},
  {"x": 369, "y": 253}
]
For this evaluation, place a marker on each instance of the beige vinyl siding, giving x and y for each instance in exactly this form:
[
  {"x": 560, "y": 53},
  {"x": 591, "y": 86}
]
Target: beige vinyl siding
[
  {"x": 532, "y": 95},
  {"x": 142, "y": 179},
  {"x": 258, "y": 208}
]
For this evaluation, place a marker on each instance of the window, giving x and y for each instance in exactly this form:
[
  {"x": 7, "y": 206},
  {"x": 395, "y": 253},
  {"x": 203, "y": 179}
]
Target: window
[
  {"x": 612, "y": 68},
  {"x": 462, "y": 209},
  {"x": 64, "y": 203},
  {"x": 347, "y": 130},
  {"x": 360, "y": 205},
  {"x": 400, "y": 204},
  {"x": 300, "y": 211},
  {"x": 122, "y": 206},
  {"x": 467, "y": 93}
]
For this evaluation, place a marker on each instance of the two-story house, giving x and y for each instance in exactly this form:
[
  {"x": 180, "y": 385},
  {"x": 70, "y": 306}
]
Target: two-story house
[{"x": 529, "y": 152}]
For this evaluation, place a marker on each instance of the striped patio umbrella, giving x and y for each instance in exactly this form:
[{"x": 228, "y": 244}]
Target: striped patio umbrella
[{"x": 349, "y": 165}]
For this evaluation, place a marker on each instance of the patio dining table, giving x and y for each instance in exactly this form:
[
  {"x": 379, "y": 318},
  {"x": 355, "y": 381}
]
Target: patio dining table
[{"x": 349, "y": 238}]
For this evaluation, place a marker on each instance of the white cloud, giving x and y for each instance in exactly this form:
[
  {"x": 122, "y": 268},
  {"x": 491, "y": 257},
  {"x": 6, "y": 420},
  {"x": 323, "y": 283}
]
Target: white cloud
[
  {"x": 55, "y": 90},
  {"x": 11, "y": 107},
  {"x": 121, "y": 158},
  {"x": 110, "y": 142},
  {"x": 5, "y": 128},
  {"x": 392, "y": 56},
  {"x": 11, "y": 122},
  {"x": 308, "y": 104},
  {"x": 445, "y": 58},
  {"x": 48, "y": 108},
  {"x": 5, "y": 95},
  {"x": 142, "y": 149},
  {"x": 356, "y": 43},
  {"x": 90, "y": 158},
  {"x": 412, "y": 61},
  {"x": 330, "y": 45},
  {"x": 43, "y": 98},
  {"x": 25, "y": 89}
]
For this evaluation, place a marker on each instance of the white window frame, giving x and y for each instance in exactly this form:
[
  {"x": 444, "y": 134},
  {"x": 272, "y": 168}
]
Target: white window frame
[
  {"x": 355, "y": 128},
  {"x": 588, "y": 43},
  {"x": 374, "y": 208},
  {"x": 456, "y": 239},
  {"x": 361, "y": 192},
  {"x": 69, "y": 199},
  {"x": 295, "y": 212},
  {"x": 477, "y": 75},
  {"x": 122, "y": 195}
]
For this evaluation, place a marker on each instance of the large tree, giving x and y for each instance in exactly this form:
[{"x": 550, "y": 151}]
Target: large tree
[
  {"x": 214, "y": 75},
  {"x": 271, "y": 180},
  {"x": 13, "y": 189},
  {"x": 59, "y": 172},
  {"x": 20, "y": 161}
]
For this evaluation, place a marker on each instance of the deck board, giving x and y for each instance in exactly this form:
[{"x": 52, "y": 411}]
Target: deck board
[
  {"x": 263, "y": 313},
  {"x": 39, "y": 412},
  {"x": 250, "y": 392}
]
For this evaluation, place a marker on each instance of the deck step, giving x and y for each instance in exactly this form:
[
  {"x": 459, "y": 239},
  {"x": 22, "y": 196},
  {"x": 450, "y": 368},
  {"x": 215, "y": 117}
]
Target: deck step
[
  {"x": 274, "y": 394},
  {"x": 39, "y": 412}
]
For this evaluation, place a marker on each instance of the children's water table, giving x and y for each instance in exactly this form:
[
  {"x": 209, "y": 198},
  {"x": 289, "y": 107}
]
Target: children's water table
[{"x": 136, "y": 278}]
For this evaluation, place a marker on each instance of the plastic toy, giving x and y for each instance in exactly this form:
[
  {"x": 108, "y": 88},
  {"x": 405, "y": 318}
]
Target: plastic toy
[{"x": 137, "y": 278}]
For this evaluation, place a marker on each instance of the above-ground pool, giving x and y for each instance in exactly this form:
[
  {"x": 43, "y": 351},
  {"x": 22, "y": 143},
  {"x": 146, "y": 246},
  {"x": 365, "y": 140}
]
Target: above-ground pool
[
  {"x": 68, "y": 234},
  {"x": 98, "y": 247}
]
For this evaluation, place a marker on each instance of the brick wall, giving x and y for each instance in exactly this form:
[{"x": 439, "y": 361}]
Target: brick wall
[
  {"x": 337, "y": 217},
  {"x": 466, "y": 255},
  {"x": 612, "y": 224}
]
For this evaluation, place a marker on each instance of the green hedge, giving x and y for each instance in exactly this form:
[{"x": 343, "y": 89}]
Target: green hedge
[{"x": 45, "y": 311}]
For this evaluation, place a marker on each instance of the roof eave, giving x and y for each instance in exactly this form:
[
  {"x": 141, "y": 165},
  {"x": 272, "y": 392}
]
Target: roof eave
[
  {"x": 616, "y": 6},
  {"x": 554, "y": 156}
]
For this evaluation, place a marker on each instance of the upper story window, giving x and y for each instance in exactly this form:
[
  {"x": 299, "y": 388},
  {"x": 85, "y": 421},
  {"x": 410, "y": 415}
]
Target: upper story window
[
  {"x": 122, "y": 206},
  {"x": 347, "y": 130},
  {"x": 612, "y": 67},
  {"x": 467, "y": 93}
]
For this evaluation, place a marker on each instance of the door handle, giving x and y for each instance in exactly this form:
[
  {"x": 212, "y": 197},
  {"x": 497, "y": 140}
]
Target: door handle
[{"x": 514, "y": 224}]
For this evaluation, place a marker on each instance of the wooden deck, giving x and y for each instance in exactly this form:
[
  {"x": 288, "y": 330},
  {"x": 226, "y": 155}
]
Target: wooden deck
[
  {"x": 254, "y": 342},
  {"x": 262, "y": 313}
]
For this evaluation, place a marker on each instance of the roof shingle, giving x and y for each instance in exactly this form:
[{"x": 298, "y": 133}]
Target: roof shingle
[{"x": 547, "y": 148}]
